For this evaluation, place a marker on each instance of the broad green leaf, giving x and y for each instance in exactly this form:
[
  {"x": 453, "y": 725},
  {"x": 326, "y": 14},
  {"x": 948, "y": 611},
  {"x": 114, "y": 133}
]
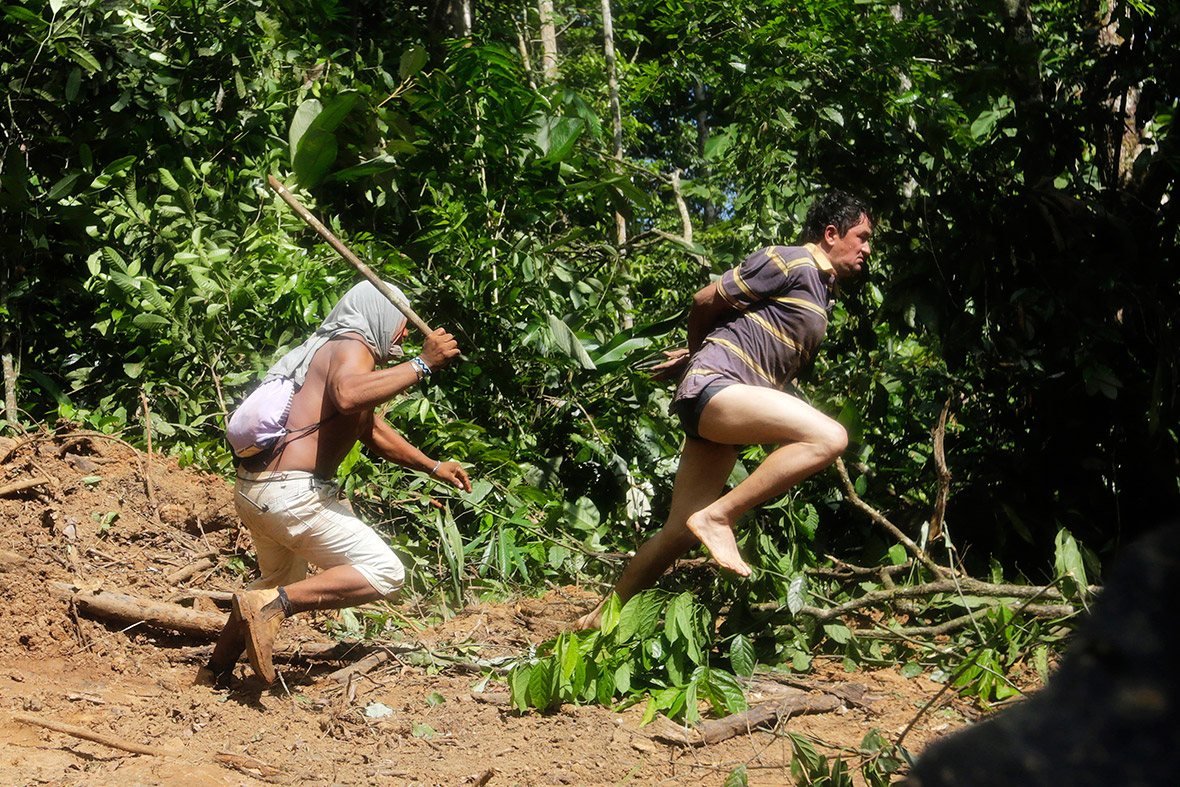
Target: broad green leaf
[
  {"x": 741, "y": 656},
  {"x": 639, "y": 616},
  {"x": 838, "y": 632},
  {"x": 1068, "y": 560},
  {"x": 733, "y": 699},
  {"x": 518, "y": 683},
  {"x": 568, "y": 654},
  {"x": 736, "y": 778},
  {"x": 147, "y": 321},
  {"x": 556, "y": 136},
  {"x": 540, "y": 693},
  {"x": 567, "y": 342},
  {"x": 797, "y": 595},
  {"x": 373, "y": 166},
  {"x": 315, "y": 156},
  {"x": 611, "y": 611},
  {"x": 83, "y": 58},
  {"x": 412, "y": 61},
  {"x": 63, "y": 186}
]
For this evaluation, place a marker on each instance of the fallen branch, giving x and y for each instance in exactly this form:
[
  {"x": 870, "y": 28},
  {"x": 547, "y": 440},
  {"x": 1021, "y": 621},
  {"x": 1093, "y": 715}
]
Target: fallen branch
[
  {"x": 17, "y": 486},
  {"x": 176, "y": 577},
  {"x": 304, "y": 651},
  {"x": 248, "y": 765},
  {"x": 944, "y": 474},
  {"x": 765, "y": 714},
  {"x": 483, "y": 778},
  {"x": 96, "y": 737},
  {"x": 368, "y": 663},
  {"x": 1044, "y": 611},
  {"x": 922, "y": 556},
  {"x": 155, "y": 614}
]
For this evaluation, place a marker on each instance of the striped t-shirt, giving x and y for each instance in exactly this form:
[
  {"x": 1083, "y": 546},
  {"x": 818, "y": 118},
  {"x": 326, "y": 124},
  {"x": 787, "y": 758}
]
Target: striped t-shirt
[{"x": 781, "y": 297}]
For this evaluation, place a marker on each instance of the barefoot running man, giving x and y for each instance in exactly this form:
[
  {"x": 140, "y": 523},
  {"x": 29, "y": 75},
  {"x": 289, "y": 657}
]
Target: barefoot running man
[{"x": 748, "y": 336}]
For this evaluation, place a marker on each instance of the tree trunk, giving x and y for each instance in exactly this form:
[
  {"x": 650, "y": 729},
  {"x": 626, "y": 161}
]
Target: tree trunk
[
  {"x": 548, "y": 40},
  {"x": 702, "y": 98},
  {"x": 9, "y": 368},
  {"x": 522, "y": 25},
  {"x": 616, "y": 113}
]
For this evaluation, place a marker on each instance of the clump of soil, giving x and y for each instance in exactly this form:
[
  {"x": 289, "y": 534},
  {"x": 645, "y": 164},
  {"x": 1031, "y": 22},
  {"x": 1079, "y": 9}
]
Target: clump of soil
[{"x": 104, "y": 516}]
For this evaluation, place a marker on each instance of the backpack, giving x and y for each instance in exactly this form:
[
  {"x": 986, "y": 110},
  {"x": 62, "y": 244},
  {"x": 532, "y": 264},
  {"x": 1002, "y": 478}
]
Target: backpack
[{"x": 260, "y": 422}]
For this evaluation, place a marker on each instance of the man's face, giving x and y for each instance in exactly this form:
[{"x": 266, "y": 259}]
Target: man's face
[
  {"x": 848, "y": 252},
  {"x": 395, "y": 346}
]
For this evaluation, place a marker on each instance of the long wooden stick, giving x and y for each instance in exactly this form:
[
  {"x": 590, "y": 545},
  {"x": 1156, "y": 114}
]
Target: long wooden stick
[
  {"x": 89, "y": 735},
  {"x": 344, "y": 252}
]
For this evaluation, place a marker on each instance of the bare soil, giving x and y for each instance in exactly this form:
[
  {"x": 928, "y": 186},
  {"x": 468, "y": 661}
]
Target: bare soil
[{"x": 93, "y": 524}]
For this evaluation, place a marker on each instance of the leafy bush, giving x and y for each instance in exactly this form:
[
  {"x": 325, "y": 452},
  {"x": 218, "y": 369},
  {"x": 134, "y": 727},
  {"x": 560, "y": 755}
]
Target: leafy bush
[{"x": 658, "y": 644}]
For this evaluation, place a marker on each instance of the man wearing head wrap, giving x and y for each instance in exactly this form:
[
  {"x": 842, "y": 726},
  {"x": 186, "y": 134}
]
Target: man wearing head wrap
[{"x": 287, "y": 496}]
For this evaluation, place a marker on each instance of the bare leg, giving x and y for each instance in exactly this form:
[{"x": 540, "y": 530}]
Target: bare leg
[
  {"x": 338, "y": 587},
  {"x": 743, "y": 414},
  {"x": 704, "y": 468}
]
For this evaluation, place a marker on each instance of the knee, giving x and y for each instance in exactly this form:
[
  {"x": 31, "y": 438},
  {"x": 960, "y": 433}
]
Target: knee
[
  {"x": 832, "y": 441},
  {"x": 386, "y": 577}
]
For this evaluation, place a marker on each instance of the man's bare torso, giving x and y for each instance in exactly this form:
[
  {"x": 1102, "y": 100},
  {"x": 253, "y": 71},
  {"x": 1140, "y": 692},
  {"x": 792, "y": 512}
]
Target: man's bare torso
[{"x": 321, "y": 449}]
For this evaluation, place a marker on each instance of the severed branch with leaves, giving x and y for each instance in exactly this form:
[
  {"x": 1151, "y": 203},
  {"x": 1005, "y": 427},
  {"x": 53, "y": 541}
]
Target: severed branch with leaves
[{"x": 1045, "y": 602}]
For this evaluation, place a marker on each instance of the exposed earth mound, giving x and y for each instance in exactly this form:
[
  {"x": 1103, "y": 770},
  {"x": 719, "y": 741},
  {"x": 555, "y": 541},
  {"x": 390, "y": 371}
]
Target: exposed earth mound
[{"x": 86, "y": 518}]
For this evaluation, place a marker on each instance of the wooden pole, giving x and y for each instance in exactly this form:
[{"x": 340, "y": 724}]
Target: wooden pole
[{"x": 347, "y": 254}]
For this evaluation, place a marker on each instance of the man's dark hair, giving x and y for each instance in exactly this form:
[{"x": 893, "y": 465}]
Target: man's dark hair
[{"x": 838, "y": 209}]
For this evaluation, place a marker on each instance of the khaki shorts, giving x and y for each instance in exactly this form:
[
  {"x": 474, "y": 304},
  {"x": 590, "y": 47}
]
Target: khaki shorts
[{"x": 295, "y": 519}]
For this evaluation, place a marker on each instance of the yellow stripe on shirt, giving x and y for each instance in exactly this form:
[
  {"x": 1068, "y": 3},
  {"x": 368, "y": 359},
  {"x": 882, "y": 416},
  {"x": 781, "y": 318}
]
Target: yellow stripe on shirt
[
  {"x": 804, "y": 303},
  {"x": 787, "y": 267},
  {"x": 737, "y": 279},
  {"x": 744, "y": 358},
  {"x": 776, "y": 333}
]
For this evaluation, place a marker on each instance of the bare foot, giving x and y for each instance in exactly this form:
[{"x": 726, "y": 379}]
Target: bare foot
[
  {"x": 717, "y": 536},
  {"x": 591, "y": 620}
]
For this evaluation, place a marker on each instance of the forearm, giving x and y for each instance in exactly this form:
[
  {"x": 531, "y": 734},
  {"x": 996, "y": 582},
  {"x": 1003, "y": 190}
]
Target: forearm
[
  {"x": 359, "y": 392},
  {"x": 387, "y": 443},
  {"x": 707, "y": 307}
]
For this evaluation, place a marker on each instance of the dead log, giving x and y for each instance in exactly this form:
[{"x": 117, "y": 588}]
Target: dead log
[
  {"x": 17, "y": 486},
  {"x": 96, "y": 737},
  {"x": 129, "y": 609},
  {"x": 765, "y": 714},
  {"x": 222, "y": 598},
  {"x": 180, "y": 575}
]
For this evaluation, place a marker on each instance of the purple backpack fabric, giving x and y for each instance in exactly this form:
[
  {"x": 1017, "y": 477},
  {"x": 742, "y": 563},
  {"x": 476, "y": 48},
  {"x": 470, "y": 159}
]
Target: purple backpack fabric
[{"x": 261, "y": 421}]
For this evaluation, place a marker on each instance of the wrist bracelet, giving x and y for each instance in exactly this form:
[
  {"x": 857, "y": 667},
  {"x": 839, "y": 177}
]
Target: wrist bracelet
[
  {"x": 436, "y": 466},
  {"x": 420, "y": 367}
]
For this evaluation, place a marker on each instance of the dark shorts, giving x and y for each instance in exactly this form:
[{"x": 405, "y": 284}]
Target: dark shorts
[{"x": 689, "y": 410}]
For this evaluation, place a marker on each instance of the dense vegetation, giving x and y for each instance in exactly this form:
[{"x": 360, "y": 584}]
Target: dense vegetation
[{"x": 1021, "y": 158}]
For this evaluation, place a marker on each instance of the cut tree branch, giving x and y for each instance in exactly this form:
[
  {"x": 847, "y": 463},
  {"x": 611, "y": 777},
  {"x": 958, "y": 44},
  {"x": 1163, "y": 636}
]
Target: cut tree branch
[{"x": 922, "y": 556}]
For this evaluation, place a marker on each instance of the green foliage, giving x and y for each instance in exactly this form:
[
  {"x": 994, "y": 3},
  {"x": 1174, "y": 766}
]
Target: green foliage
[
  {"x": 658, "y": 645},
  {"x": 1023, "y": 273},
  {"x": 877, "y": 760}
]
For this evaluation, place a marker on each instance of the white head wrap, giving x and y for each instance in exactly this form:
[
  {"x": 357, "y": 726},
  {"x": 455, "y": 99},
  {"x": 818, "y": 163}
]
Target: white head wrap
[{"x": 363, "y": 310}]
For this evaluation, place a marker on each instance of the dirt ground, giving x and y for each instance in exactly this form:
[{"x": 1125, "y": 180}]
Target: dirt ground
[{"x": 92, "y": 523}]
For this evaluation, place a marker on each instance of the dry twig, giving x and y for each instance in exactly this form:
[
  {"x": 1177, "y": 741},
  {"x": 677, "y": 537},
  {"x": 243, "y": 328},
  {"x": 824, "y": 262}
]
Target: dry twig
[{"x": 96, "y": 737}]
